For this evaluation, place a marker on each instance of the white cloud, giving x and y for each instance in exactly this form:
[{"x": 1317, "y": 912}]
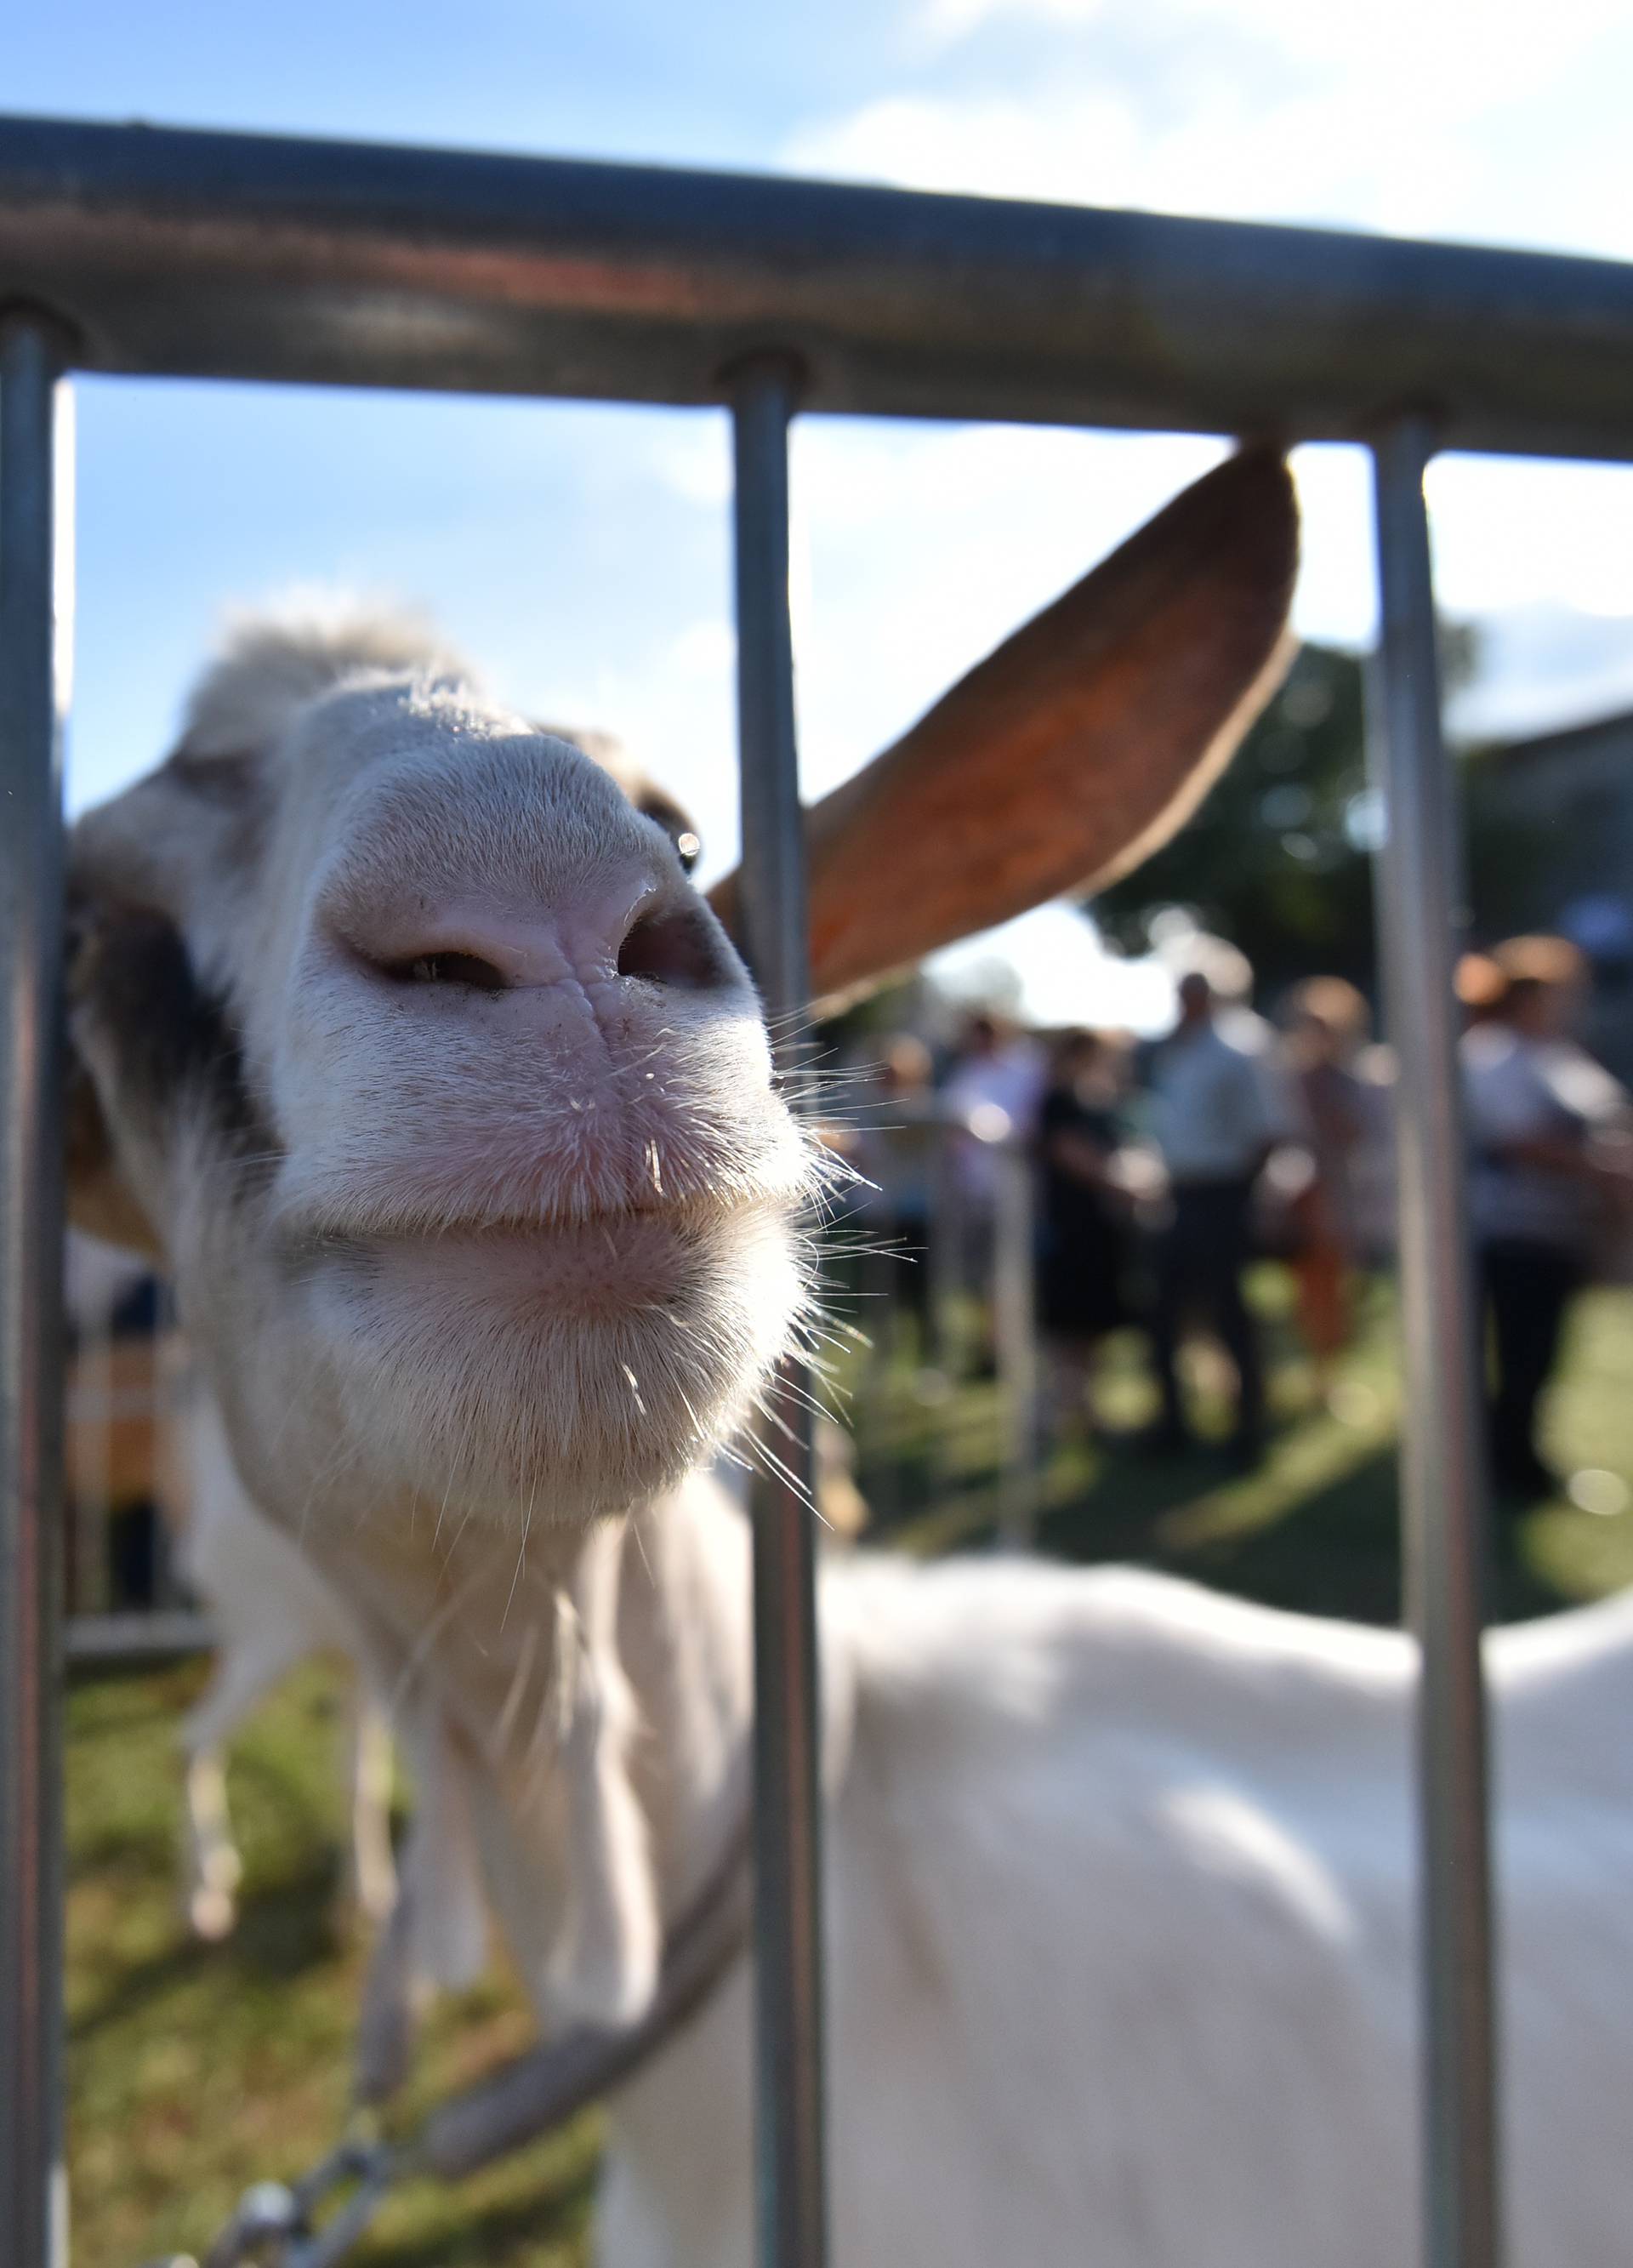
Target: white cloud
[
  {"x": 946, "y": 22},
  {"x": 1063, "y": 972},
  {"x": 1542, "y": 667},
  {"x": 693, "y": 457},
  {"x": 707, "y": 649},
  {"x": 1516, "y": 532},
  {"x": 1458, "y": 56},
  {"x": 922, "y": 545},
  {"x": 1460, "y": 117},
  {"x": 1344, "y": 151},
  {"x": 1437, "y": 117}
]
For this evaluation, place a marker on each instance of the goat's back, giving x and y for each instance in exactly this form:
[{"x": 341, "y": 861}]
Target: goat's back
[
  {"x": 1122, "y": 1943},
  {"x": 1125, "y": 1870}
]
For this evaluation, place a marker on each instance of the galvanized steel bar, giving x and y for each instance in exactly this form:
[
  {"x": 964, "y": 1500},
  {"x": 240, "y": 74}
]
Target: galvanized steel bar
[
  {"x": 1014, "y": 1317},
  {"x": 184, "y": 254},
  {"x": 142, "y": 1635},
  {"x": 788, "y": 1936},
  {"x": 1442, "y": 1464},
  {"x": 33, "y": 2195}
]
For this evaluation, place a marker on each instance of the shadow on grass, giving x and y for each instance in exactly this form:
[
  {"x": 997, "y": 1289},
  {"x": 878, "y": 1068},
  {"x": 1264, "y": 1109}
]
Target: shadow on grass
[
  {"x": 284, "y": 1930},
  {"x": 1315, "y": 1530},
  {"x": 1330, "y": 1546}
]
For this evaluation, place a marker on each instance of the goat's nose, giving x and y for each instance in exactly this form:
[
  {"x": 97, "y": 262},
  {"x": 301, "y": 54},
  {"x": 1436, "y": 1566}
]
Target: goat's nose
[{"x": 596, "y": 934}]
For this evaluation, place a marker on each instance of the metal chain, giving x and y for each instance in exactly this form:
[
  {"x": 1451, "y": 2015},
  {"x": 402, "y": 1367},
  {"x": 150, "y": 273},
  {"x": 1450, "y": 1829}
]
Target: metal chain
[
  {"x": 315, "y": 2221},
  {"x": 309, "y": 2223}
]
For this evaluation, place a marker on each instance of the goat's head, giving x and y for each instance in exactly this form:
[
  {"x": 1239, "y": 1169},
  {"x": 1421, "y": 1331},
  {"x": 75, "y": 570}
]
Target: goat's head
[{"x": 401, "y": 1031}]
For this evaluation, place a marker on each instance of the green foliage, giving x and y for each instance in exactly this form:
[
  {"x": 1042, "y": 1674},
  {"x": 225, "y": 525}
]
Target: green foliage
[{"x": 194, "y": 2069}]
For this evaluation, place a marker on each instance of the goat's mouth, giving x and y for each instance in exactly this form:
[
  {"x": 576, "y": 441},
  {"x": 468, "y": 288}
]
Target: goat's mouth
[
  {"x": 606, "y": 1264},
  {"x": 600, "y": 1267},
  {"x": 312, "y": 1234},
  {"x": 591, "y": 1361}
]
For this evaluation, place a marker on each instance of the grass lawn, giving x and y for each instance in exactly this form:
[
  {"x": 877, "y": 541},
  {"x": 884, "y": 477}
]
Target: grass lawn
[
  {"x": 1314, "y": 1527},
  {"x": 194, "y": 2070}
]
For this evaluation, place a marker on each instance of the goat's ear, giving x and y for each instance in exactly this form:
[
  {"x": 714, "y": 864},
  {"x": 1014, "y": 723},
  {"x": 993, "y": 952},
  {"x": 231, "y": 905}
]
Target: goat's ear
[
  {"x": 1071, "y": 752},
  {"x": 99, "y": 1200}
]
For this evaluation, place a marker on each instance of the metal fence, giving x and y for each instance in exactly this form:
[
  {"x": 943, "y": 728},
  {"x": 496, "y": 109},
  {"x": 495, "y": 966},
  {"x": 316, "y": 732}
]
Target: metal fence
[{"x": 166, "y": 254}]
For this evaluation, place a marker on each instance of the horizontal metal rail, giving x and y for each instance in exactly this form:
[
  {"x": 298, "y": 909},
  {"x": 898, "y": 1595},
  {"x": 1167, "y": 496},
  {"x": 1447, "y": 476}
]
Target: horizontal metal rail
[
  {"x": 183, "y": 254},
  {"x": 152, "y": 1634}
]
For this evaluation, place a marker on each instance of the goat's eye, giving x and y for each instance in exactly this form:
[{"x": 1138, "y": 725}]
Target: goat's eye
[
  {"x": 687, "y": 843},
  {"x": 450, "y": 968}
]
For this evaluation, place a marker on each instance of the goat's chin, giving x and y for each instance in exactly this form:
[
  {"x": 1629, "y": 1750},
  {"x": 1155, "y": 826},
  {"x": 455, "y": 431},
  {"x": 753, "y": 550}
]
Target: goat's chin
[{"x": 555, "y": 1374}]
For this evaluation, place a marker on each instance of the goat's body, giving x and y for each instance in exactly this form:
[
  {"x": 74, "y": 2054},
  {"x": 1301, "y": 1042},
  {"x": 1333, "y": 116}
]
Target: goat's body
[{"x": 1122, "y": 1933}]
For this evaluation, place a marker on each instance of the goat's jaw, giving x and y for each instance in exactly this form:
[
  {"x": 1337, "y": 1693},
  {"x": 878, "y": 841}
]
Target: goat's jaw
[{"x": 553, "y": 1373}]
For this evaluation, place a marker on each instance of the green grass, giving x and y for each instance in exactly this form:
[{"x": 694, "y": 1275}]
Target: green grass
[
  {"x": 1314, "y": 1527},
  {"x": 194, "y": 2070}
]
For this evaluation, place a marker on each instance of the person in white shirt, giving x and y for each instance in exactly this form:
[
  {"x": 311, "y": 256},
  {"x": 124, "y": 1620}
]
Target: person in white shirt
[
  {"x": 991, "y": 1093},
  {"x": 1542, "y": 1183},
  {"x": 989, "y": 1104},
  {"x": 1214, "y": 1122}
]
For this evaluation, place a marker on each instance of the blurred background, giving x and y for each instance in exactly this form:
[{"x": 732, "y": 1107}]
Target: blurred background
[{"x": 1018, "y": 1275}]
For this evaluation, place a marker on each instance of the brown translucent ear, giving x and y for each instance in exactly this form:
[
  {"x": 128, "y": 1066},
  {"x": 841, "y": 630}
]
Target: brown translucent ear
[{"x": 1071, "y": 752}]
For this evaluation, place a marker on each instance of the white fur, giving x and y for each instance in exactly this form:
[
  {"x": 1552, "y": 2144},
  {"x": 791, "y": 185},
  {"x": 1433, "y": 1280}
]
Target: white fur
[
  {"x": 269, "y": 1611},
  {"x": 1122, "y": 1940},
  {"x": 1119, "y": 1874}
]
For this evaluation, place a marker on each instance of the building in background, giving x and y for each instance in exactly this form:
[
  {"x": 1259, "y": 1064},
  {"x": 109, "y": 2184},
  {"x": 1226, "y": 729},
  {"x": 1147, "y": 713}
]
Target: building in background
[{"x": 1552, "y": 829}]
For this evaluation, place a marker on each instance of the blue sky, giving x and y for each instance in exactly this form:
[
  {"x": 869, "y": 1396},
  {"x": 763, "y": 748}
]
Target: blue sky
[{"x": 579, "y": 554}]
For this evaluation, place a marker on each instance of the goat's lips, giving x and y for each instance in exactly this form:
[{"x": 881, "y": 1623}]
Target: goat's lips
[{"x": 609, "y": 1266}]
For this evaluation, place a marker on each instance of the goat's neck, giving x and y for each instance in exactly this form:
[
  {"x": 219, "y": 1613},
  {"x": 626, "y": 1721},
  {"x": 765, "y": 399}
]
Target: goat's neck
[
  {"x": 685, "y": 1640},
  {"x": 636, "y": 1639}
]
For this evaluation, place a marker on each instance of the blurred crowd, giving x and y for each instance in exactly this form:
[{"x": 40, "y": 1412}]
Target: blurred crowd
[{"x": 1146, "y": 1177}]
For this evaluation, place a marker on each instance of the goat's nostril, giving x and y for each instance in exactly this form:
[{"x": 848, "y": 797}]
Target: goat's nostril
[
  {"x": 674, "y": 948},
  {"x": 466, "y": 969}
]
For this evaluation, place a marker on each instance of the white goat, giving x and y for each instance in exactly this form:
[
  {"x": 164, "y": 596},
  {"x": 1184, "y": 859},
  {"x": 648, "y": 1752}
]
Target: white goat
[{"x": 403, "y": 1033}]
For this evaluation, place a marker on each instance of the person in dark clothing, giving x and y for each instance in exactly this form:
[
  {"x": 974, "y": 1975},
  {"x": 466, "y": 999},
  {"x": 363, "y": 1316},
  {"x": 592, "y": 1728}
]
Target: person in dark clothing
[
  {"x": 1325, "y": 1022},
  {"x": 1198, "y": 1262},
  {"x": 1541, "y": 1186},
  {"x": 1083, "y": 1219}
]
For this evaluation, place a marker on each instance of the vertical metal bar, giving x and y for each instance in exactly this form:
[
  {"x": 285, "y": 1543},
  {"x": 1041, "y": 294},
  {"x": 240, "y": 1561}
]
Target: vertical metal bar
[
  {"x": 1442, "y": 1464},
  {"x": 789, "y": 2095},
  {"x": 1015, "y": 1327},
  {"x": 33, "y": 644}
]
